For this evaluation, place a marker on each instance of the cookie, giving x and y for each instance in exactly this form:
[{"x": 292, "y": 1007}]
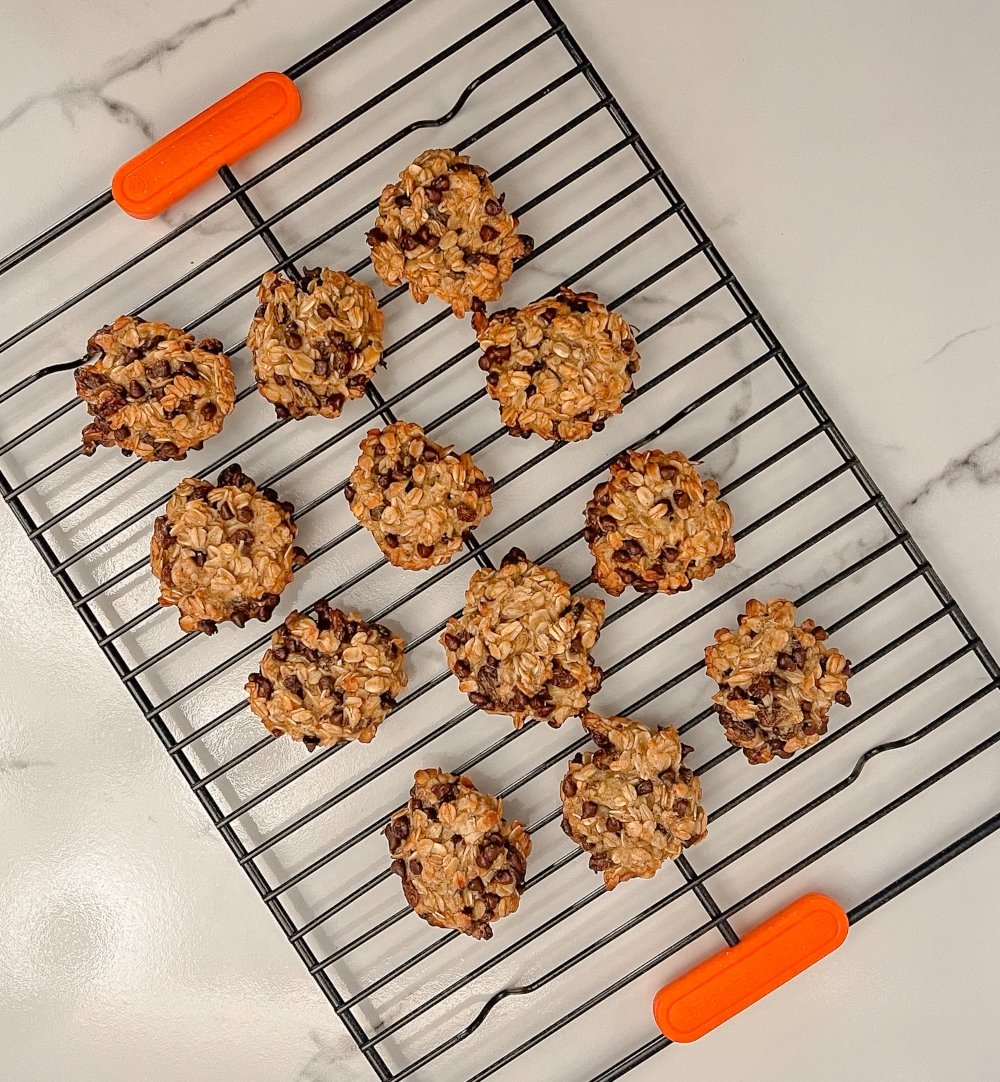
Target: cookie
[
  {"x": 416, "y": 497},
  {"x": 332, "y": 678},
  {"x": 559, "y": 367},
  {"x": 521, "y": 645},
  {"x": 443, "y": 230},
  {"x": 656, "y": 525},
  {"x": 462, "y": 864},
  {"x": 777, "y": 681},
  {"x": 315, "y": 343},
  {"x": 224, "y": 552},
  {"x": 633, "y": 804},
  {"x": 152, "y": 390}
]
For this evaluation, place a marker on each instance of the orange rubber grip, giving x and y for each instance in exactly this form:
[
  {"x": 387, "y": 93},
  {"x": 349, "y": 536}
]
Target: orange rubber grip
[
  {"x": 730, "y": 981},
  {"x": 176, "y": 164}
]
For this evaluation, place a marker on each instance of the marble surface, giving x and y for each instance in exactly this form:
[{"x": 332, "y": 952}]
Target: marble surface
[{"x": 844, "y": 159}]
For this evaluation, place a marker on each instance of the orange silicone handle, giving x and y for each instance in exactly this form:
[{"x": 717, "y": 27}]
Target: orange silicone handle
[
  {"x": 727, "y": 983},
  {"x": 176, "y": 164}
]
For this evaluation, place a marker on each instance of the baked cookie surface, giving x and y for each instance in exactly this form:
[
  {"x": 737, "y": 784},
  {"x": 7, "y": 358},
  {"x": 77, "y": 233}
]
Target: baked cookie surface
[
  {"x": 417, "y": 498},
  {"x": 315, "y": 343},
  {"x": 443, "y": 230},
  {"x": 329, "y": 678},
  {"x": 153, "y": 391},
  {"x": 655, "y": 525},
  {"x": 522, "y": 644},
  {"x": 777, "y": 681},
  {"x": 223, "y": 552},
  {"x": 559, "y": 367},
  {"x": 462, "y": 864},
  {"x": 633, "y": 804}
]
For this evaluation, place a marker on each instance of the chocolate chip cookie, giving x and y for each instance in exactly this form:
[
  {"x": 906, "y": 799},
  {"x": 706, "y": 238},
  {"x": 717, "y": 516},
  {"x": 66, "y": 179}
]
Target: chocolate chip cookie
[
  {"x": 656, "y": 525},
  {"x": 462, "y": 864},
  {"x": 416, "y": 497},
  {"x": 224, "y": 552},
  {"x": 153, "y": 390},
  {"x": 632, "y": 804},
  {"x": 315, "y": 342},
  {"x": 559, "y": 367},
  {"x": 443, "y": 230},
  {"x": 777, "y": 681},
  {"x": 522, "y": 644},
  {"x": 332, "y": 678}
]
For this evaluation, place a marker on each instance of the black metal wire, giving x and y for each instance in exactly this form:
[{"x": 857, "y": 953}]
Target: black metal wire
[{"x": 871, "y": 502}]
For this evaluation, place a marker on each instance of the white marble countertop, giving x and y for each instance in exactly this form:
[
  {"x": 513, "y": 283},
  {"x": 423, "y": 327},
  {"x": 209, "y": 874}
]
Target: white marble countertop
[{"x": 844, "y": 158}]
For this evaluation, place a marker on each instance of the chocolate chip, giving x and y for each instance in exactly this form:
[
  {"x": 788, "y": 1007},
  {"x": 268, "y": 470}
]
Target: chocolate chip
[
  {"x": 432, "y": 195},
  {"x": 643, "y": 786},
  {"x": 681, "y": 499},
  {"x": 492, "y": 207},
  {"x": 462, "y": 668},
  {"x": 375, "y": 236},
  {"x": 843, "y": 698},
  {"x": 425, "y": 551},
  {"x": 488, "y": 233},
  {"x": 588, "y": 810},
  {"x": 210, "y": 345},
  {"x": 136, "y": 389},
  {"x": 199, "y": 558}
]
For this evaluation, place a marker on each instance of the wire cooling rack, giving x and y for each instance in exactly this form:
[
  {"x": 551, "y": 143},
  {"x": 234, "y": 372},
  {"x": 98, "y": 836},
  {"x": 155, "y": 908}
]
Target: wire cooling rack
[{"x": 576, "y": 967}]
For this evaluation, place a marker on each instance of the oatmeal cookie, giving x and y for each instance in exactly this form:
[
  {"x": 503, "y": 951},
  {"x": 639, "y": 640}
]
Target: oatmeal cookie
[
  {"x": 633, "y": 804},
  {"x": 315, "y": 343},
  {"x": 522, "y": 643},
  {"x": 656, "y": 525},
  {"x": 333, "y": 678},
  {"x": 415, "y": 497},
  {"x": 777, "y": 680},
  {"x": 152, "y": 390},
  {"x": 443, "y": 230},
  {"x": 224, "y": 552},
  {"x": 559, "y": 367},
  {"x": 462, "y": 864}
]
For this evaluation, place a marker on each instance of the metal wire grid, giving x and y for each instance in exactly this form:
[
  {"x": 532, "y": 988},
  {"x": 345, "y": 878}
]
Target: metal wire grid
[{"x": 334, "y": 902}]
